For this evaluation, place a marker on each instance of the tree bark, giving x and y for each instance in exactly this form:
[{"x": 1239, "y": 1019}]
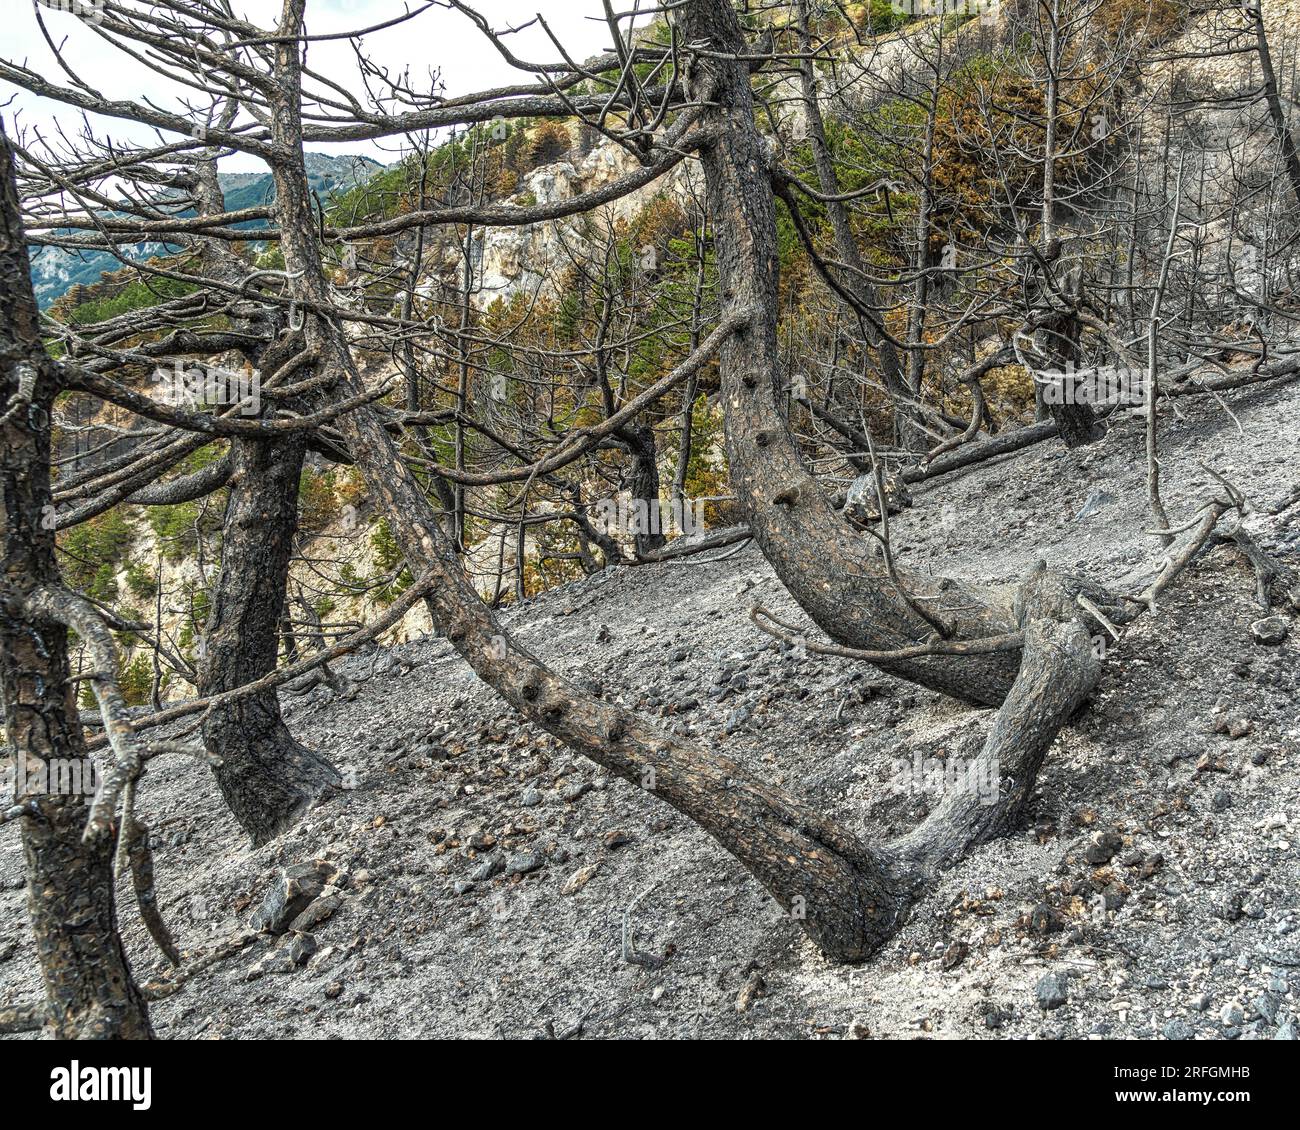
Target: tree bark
[
  {"x": 1286, "y": 143},
  {"x": 643, "y": 486},
  {"x": 88, "y": 987},
  {"x": 267, "y": 778},
  {"x": 830, "y": 569}
]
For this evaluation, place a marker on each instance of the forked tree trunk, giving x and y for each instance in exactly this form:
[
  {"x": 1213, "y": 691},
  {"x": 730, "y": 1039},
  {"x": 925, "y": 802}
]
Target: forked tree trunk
[
  {"x": 848, "y": 896},
  {"x": 88, "y": 988},
  {"x": 267, "y": 778}
]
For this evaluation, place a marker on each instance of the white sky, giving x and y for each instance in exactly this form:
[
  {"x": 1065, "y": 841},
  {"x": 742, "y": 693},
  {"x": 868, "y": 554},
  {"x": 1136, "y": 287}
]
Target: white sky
[{"x": 439, "y": 39}]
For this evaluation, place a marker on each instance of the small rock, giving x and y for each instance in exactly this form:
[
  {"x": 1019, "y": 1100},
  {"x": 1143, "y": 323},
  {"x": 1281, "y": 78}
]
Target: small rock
[
  {"x": 738, "y": 718},
  {"x": 1102, "y": 847},
  {"x": 531, "y": 798},
  {"x": 1271, "y": 630},
  {"x": 1266, "y": 1005},
  {"x": 334, "y": 990},
  {"x": 754, "y": 988},
  {"x": 1043, "y": 919},
  {"x": 296, "y": 888},
  {"x": 954, "y": 955},
  {"x": 524, "y": 862},
  {"x": 488, "y": 867},
  {"x": 1177, "y": 1030},
  {"x": 302, "y": 947},
  {"x": 579, "y": 879},
  {"x": 1051, "y": 991}
]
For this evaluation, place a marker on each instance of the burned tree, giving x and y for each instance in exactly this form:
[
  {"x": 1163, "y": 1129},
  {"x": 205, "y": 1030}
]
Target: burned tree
[{"x": 319, "y": 334}]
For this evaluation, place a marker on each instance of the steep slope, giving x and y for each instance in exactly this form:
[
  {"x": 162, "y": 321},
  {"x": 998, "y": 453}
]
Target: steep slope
[{"x": 1188, "y": 924}]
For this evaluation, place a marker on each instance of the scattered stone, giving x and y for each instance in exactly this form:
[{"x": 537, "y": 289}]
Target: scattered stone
[
  {"x": 579, "y": 879},
  {"x": 524, "y": 863},
  {"x": 1177, "y": 1030},
  {"x": 302, "y": 947},
  {"x": 1271, "y": 630},
  {"x": 488, "y": 867},
  {"x": 531, "y": 798},
  {"x": 954, "y": 955},
  {"x": 321, "y": 909},
  {"x": 1102, "y": 847},
  {"x": 295, "y": 889},
  {"x": 1230, "y": 1015},
  {"x": 616, "y": 839},
  {"x": 334, "y": 990},
  {"x": 754, "y": 988},
  {"x": 1266, "y": 1005},
  {"x": 1051, "y": 991},
  {"x": 1044, "y": 920},
  {"x": 738, "y": 718}
]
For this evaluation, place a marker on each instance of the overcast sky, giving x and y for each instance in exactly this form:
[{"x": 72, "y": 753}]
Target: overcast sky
[{"x": 439, "y": 39}]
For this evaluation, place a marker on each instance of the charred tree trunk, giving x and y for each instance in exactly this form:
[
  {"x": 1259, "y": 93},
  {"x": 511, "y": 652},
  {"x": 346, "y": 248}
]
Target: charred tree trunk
[
  {"x": 88, "y": 987},
  {"x": 829, "y": 568},
  {"x": 1075, "y": 420},
  {"x": 1277, "y": 114},
  {"x": 642, "y": 482},
  {"x": 267, "y": 778},
  {"x": 849, "y": 897}
]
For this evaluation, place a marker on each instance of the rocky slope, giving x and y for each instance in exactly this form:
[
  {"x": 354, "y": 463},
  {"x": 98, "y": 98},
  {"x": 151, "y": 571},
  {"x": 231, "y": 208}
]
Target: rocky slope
[{"x": 483, "y": 873}]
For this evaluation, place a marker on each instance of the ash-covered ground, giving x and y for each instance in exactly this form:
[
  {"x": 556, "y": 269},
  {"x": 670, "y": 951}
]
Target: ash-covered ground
[{"x": 483, "y": 871}]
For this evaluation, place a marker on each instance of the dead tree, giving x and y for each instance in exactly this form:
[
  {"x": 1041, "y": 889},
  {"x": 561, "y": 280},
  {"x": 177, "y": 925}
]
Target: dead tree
[{"x": 88, "y": 987}]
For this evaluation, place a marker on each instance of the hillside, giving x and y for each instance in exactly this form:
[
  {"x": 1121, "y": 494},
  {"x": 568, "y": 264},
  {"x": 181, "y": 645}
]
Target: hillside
[
  {"x": 485, "y": 871},
  {"x": 55, "y": 270}
]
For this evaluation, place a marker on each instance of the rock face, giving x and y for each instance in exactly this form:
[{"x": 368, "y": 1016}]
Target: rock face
[{"x": 530, "y": 259}]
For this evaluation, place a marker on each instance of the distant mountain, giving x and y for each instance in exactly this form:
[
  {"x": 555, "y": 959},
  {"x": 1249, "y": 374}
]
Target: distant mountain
[{"x": 56, "y": 270}]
